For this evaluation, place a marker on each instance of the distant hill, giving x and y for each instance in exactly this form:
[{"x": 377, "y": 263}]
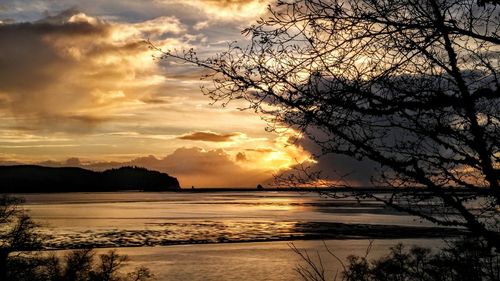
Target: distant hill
[{"x": 33, "y": 178}]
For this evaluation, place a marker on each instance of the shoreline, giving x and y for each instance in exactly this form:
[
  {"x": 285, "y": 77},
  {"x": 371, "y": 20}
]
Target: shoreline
[
  {"x": 319, "y": 190},
  {"x": 248, "y": 243},
  {"x": 305, "y": 231}
]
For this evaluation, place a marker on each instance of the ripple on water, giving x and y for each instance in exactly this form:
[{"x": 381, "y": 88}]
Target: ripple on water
[{"x": 226, "y": 231}]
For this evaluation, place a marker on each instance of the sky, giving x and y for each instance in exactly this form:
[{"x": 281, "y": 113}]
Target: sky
[{"x": 80, "y": 86}]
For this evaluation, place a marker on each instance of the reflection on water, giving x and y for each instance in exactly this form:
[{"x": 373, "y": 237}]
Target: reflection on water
[
  {"x": 263, "y": 261},
  {"x": 139, "y": 218}
]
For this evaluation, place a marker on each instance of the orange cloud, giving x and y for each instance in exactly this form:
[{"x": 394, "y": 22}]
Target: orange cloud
[
  {"x": 73, "y": 73},
  {"x": 261, "y": 150},
  {"x": 192, "y": 166},
  {"x": 228, "y": 10},
  {"x": 209, "y": 136},
  {"x": 77, "y": 69}
]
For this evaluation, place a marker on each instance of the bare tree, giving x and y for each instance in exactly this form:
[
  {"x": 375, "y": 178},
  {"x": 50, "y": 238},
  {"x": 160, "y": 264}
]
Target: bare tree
[
  {"x": 461, "y": 260},
  {"x": 17, "y": 231},
  {"x": 410, "y": 84}
]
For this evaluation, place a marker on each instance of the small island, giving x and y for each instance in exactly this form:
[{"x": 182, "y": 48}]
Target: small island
[{"x": 34, "y": 178}]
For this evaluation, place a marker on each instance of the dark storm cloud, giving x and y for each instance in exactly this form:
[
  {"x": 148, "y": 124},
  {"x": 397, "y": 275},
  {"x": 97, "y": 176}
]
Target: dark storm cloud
[{"x": 335, "y": 167}]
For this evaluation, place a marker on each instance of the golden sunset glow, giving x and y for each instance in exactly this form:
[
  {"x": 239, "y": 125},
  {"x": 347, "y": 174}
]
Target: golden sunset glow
[
  {"x": 227, "y": 10},
  {"x": 79, "y": 85},
  {"x": 202, "y": 140}
]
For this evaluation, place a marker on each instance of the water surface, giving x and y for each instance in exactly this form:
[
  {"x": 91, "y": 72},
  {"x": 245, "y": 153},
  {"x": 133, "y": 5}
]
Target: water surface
[
  {"x": 139, "y": 223},
  {"x": 149, "y": 219}
]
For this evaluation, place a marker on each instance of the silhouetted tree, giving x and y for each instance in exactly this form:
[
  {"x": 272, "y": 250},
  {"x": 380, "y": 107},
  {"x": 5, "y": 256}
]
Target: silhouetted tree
[
  {"x": 18, "y": 234},
  {"x": 411, "y": 85},
  {"x": 77, "y": 265},
  {"x": 461, "y": 260},
  {"x": 33, "y": 178},
  {"x": 17, "y": 231}
]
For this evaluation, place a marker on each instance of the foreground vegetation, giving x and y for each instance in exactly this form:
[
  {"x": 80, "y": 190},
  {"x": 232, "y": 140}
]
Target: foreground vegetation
[
  {"x": 21, "y": 260},
  {"x": 77, "y": 265},
  {"x": 461, "y": 260}
]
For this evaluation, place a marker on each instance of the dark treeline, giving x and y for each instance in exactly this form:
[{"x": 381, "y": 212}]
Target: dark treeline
[{"x": 32, "y": 178}]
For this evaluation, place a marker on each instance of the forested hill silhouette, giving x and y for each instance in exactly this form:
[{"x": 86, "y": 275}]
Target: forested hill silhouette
[{"x": 33, "y": 178}]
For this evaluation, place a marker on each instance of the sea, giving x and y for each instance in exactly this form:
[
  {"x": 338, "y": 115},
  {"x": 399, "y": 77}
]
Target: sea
[{"x": 224, "y": 235}]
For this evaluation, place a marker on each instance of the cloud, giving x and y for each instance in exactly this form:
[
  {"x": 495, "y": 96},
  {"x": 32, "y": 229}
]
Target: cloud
[
  {"x": 202, "y": 167},
  {"x": 192, "y": 166},
  {"x": 209, "y": 168},
  {"x": 82, "y": 82},
  {"x": 237, "y": 165},
  {"x": 261, "y": 150},
  {"x": 209, "y": 136},
  {"x": 206, "y": 168},
  {"x": 77, "y": 69},
  {"x": 227, "y": 10},
  {"x": 338, "y": 169},
  {"x": 74, "y": 162},
  {"x": 241, "y": 156}
]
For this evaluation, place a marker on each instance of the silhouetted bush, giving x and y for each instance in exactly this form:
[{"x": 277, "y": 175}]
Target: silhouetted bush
[
  {"x": 17, "y": 231},
  {"x": 20, "y": 260},
  {"x": 77, "y": 265},
  {"x": 461, "y": 260}
]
